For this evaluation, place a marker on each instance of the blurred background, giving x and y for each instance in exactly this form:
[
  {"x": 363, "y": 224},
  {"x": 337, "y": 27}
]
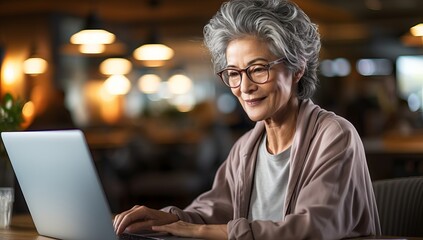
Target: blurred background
[{"x": 158, "y": 128}]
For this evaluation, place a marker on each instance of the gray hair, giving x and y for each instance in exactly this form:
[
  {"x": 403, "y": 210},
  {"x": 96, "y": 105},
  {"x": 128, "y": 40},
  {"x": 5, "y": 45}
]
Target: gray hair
[{"x": 281, "y": 23}]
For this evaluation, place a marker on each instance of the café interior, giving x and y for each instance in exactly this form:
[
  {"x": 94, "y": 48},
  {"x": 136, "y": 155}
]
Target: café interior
[{"x": 158, "y": 128}]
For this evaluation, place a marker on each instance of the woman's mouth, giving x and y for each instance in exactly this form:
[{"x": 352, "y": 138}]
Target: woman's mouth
[{"x": 254, "y": 101}]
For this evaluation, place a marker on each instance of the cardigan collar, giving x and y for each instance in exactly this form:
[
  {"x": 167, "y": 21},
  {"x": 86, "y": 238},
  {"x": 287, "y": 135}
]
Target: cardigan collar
[{"x": 306, "y": 122}]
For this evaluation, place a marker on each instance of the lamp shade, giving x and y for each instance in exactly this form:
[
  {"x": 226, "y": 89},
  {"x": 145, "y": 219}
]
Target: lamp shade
[
  {"x": 93, "y": 37},
  {"x": 34, "y": 66},
  {"x": 117, "y": 85},
  {"x": 417, "y": 30},
  {"x": 92, "y": 48},
  {"x": 179, "y": 84},
  {"x": 153, "y": 53},
  {"x": 149, "y": 83},
  {"x": 414, "y": 37},
  {"x": 115, "y": 66}
]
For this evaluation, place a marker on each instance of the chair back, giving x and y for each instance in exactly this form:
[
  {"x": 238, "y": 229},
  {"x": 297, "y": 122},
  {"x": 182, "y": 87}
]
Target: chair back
[{"x": 400, "y": 206}]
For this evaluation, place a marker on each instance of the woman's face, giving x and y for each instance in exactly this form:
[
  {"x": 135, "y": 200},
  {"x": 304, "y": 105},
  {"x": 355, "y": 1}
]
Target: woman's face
[{"x": 268, "y": 101}]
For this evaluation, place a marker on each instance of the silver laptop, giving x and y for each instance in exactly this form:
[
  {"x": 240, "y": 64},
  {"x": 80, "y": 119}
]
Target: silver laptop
[{"x": 60, "y": 184}]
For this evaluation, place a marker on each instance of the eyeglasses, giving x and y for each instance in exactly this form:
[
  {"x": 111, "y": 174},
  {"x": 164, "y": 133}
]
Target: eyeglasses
[{"x": 257, "y": 73}]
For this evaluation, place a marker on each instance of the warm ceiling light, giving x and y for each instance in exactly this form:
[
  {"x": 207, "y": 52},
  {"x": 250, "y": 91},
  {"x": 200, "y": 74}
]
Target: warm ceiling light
[
  {"x": 117, "y": 85},
  {"x": 413, "y": 38},
  {"x": 154, "y": 63},
  {"x": 34, "y": 66},
  {"x": 91, "y": 48},
  {"x": 115, "y": 66},
  {"x": 153, "y": 52},
  {"x": 28, "y": 110},
  {"x": 179, "y": 84},
  {"x": 149, "y": 83},
  {"x": 92, "y": 38},
  {"x": 417, "y": 30},
  {"x": 9, "y": 73}
]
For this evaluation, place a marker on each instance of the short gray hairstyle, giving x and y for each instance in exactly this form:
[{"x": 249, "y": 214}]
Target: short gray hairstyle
[{"x": 287, "y": 30}]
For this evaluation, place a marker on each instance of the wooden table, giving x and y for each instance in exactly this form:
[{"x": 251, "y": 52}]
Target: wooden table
[{"x": 23, "y": 228}]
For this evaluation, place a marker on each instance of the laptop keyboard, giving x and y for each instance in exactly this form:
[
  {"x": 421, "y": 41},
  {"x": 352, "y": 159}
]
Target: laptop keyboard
[
  {"x": 156, "y": 236},
  {"x": 127, "y": 236}
]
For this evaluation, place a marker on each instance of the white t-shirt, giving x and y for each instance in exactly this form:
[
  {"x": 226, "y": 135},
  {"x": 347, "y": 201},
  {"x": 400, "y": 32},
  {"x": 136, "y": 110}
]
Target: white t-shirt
[{"x": 269, "y": 187}]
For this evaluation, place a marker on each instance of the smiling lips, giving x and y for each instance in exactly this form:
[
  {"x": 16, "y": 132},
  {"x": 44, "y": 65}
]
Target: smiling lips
[{"x": 254, "y": 101}]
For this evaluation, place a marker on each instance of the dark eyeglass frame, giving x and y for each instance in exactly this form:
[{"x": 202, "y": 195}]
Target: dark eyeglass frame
[{"x": 266, "y": 66}]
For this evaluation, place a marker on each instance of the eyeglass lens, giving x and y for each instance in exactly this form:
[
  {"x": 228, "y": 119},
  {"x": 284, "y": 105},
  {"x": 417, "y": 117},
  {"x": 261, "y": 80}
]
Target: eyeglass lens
[{"x": 257, "y": 73}]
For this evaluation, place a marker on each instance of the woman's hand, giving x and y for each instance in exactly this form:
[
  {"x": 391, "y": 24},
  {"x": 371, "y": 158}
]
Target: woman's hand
[
  {"x": 184, "y": 229},
  {"x": 141, "y": 218}
]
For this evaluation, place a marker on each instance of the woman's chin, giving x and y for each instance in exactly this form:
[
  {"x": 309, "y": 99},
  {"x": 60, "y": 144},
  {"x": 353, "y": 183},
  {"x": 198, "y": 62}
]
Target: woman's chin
[{"x": 255, "y": 117}]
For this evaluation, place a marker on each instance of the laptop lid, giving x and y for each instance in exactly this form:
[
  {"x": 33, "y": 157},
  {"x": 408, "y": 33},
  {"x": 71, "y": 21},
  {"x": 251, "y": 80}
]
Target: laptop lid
[{"x": 60, "y": 184}]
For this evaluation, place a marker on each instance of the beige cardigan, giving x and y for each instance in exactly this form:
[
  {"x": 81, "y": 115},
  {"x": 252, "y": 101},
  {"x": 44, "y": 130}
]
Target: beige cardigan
[{"x": 329, "y": 194}]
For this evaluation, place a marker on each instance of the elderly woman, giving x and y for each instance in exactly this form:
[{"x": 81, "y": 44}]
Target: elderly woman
[{"x": 301, "y": 173}]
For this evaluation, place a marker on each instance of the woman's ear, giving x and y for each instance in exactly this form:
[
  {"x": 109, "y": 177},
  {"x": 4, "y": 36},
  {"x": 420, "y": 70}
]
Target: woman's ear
[{"x": 299, "y": 74}]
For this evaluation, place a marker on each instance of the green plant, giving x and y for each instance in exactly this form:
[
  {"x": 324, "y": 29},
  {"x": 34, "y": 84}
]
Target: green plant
[
  {"x": 10, "y": 113},
  {"x": 11, "y": 119}
]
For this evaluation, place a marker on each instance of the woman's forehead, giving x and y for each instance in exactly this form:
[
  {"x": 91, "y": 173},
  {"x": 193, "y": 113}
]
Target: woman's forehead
[{"x": 247, "y": 48}]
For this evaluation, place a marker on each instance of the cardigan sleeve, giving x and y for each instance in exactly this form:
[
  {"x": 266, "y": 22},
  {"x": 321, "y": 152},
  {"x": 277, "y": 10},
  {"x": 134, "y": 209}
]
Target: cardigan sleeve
[{"x": 214, "y": 206}]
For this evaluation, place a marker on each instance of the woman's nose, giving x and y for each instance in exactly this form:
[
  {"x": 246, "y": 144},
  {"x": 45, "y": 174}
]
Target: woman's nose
[{"x": 247, "y": 85}]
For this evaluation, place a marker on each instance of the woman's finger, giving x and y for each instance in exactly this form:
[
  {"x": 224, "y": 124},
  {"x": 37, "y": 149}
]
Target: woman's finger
[{"x": 135, "y": 215}]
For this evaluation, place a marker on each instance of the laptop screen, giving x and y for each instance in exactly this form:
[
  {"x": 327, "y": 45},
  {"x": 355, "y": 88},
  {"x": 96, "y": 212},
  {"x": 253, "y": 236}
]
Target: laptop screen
[{"x": 60, "y": 184}]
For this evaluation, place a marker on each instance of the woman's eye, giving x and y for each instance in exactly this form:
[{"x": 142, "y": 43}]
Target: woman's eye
[
  {"x": 233, "y": 73},
  {"x": 257, "y": 69}
]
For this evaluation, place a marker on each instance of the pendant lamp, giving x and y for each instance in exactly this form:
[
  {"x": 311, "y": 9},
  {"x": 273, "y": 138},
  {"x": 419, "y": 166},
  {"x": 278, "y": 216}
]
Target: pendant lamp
[
  {"x": 117, "y": 85},
  {"x": 417, "y": 30},
  {"x": 92, "y": 39},
  {"x": 115, "y": 66},
  {"x": 414, "y": 37},
  {"x": 34, "y": 64},
  {"x": 153, "y": 53}
]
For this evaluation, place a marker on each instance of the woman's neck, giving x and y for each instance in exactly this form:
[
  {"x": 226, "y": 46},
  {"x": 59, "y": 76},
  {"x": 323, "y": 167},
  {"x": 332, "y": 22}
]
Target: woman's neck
[{"x": 280, "y": 130}]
